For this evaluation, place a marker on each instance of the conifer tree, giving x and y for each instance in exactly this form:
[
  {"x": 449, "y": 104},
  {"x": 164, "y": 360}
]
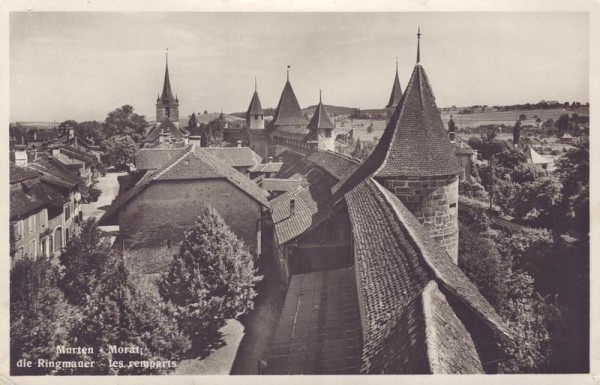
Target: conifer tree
[{"x": 210, "y": 280}]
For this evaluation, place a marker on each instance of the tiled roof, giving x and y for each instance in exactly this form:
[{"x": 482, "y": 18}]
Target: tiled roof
[
  {"x": 22, "y": 203},
  {"x": 19, "y": 174},
  {"x": 254, "y": 108},
  {"x": 276, "y": 184},
  {"x": 288, "y": 112},
  {"x": 55, "y": 172},
  {"x": 194, "y": 163},
  {"x": 74, "y": 153},
  {"x": 319, "y": 329},
  {"x": 165, "y": 126},
  {"x": 338, "y": 165},
  {"x": 396, "y": 258},
  {"x": 236, "y": 156},
  {"x": 267, "y": 167},
  {"x": 320, "y": 119},
  {"x": 414, "y": 143},
  {"x": 308, "y": 199},
  {"x": 396, "y": 92},
  {"x": 154, "y": 158}
]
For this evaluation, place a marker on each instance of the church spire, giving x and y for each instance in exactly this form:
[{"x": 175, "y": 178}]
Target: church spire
[
  {"x": 396, "y": 94},
  {"x": 419, "y": 45},
  {"x": 166, "y": 92}
]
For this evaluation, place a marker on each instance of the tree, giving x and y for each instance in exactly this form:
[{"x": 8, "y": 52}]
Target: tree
[
  {"x": 213, "y": 132},
  {"x": 370, "y": 128},
  {"x": 522, "y": 117},
  {"x": 123, "y": 121},
  {"x": 210, "y": 280},
  {"x": 93, "y": 129},
  {"x": 573, "y": 170},
  {"x": 126, "y": 311},
  {"x": 563, "y": 123},
  {"x": 83, "y": 261},
  {"x": 39, "y": 315},
  {"x": 119, "y": 150},
  {"x": 517, "y": 133},
  {"x": 68, "y": 124},
  {"x": 537, "y": 200}
]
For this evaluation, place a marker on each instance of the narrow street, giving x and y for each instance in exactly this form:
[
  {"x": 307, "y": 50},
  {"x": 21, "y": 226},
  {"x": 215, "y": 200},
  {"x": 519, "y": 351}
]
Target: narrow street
[{"x": 109, "y": 185}]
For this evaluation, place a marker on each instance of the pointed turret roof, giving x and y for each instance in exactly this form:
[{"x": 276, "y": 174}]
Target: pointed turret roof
[
  {"x": 193, "y": 120},
  {"x": 396, "y": 91},
  {"x": 414, "y": 143},
  {"x": 320, "y": 119},
  {"x": 288, "y": 112},
  {"x": 255, "y": 107},
  {"x": 167, "y": 94}
]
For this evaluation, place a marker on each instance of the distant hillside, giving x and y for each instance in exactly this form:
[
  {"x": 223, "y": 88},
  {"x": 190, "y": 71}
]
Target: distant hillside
[{"x": 332, "y": 110}]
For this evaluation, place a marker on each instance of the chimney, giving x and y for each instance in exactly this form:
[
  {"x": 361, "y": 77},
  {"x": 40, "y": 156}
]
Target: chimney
[
  {"x": 21, "y": 156},
  {"x": 35, "y": 136},
  {"x": 270, "y": 159},
  {"x": 195, "y": 140},
  {"x": 71, "y": 132},
  {"x": 56, "y": 152},
  {"x": 239, "y": 143},
  {"x": 292, "y": 206}
]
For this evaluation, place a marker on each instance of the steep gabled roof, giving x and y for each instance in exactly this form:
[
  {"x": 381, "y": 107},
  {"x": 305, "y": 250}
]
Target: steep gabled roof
[
  {"x": 255, "y": 107},
  {"x": 191, "y": 164},
  {"x": 396, "y": 260},
  {"x": 288, "y": 112},
  {"x": 74, "y": 153},
  {"x": 55, "y": 172},
  {"x": 396, "y": 92},
  {"x": 148, "y": 158},
  {"x": 236, "y": 156},
  {"x": 320, "y": 119}
]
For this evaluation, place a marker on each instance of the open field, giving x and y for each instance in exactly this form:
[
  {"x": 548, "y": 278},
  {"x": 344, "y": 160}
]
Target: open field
[{"x": 508, "y": 117}]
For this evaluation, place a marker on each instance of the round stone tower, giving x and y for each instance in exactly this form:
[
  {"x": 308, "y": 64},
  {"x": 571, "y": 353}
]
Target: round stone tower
[{"x": 417, "y": 161}]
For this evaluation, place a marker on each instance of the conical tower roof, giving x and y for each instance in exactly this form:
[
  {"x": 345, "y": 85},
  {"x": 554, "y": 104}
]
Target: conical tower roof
[
  {"x": 288, "y": 112},
  {"x": 255, "y": 107},
  {"x": 415, "y": 142},
  {"x": 396, "y": 91},
  {"x": 320, "y": 119},
  {"x": 167, "y": 94}
]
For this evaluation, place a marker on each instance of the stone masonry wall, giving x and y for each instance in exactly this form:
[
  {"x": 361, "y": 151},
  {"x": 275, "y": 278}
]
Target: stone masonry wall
[{"x": 434, "y": 201}]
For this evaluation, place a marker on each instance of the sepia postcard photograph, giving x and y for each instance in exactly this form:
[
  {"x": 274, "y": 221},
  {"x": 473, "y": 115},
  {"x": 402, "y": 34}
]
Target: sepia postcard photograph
[{"x": 296, "y": 193}]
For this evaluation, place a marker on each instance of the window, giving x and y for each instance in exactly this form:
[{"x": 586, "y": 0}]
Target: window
[
  {"x": 452, "y": 205},
  {"x": 31, "y": 223},
  {"x": 255, "y": 117},
  {"x": 328, "y": 133},
  {"x": 67, "y": 212},
  {"x": 17, "y": 228},
  {"x": 33, "y": 248}
]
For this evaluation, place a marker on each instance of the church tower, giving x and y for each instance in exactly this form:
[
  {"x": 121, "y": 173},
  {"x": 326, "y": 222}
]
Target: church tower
[
  {"x": 255, "y": 118},
  {"x": 395, "y": 96},
  {"x": 167, "y": 106},
  {"x": 321, "y": 128}
]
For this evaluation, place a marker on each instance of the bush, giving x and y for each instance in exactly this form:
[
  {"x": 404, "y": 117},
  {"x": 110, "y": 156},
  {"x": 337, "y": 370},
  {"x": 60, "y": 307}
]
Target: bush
[{"x": 94, "y": 194}]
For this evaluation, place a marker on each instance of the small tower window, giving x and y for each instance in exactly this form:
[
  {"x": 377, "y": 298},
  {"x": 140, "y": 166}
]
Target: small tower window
[{"x": 328, "y": 133}]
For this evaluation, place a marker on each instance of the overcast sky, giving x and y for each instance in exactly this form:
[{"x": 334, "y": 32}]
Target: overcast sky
[{"x": 83, "y": 65}]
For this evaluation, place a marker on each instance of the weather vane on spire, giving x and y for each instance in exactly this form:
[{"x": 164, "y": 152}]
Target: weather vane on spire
[
  {"x": 288, "y": 72},
  {"x": 320, "y": 96},
  {"x": 419, "y": 45}
]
